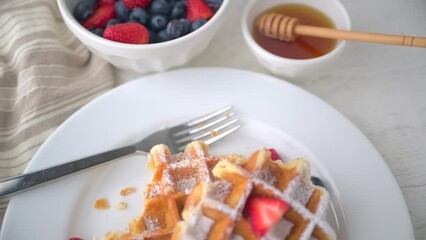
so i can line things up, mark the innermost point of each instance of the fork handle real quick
(23, 182)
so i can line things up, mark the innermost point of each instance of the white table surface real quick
(380, 88)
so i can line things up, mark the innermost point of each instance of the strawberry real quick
(100, 17)
(264, 213)
(133, 33)
(102, 2)
(274, 154)
(197, 9)
(130, 4)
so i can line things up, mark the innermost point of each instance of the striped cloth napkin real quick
(46, 74)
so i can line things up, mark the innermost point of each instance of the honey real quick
(127, 191)
(101, 204)
(303, 47)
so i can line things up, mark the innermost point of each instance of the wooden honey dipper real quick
(285, 28)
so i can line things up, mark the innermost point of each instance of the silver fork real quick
(210, 128)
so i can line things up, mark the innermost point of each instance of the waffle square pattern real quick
(193, 195)
(215, 210)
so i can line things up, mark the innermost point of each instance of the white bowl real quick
(286, 67)
(145, 58)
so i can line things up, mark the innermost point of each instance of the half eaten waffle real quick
(215, 210)
(174, 177)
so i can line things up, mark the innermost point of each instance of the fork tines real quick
(209, 128)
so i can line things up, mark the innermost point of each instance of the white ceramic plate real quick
(366, 200)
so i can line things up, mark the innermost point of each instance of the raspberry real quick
(274, 154)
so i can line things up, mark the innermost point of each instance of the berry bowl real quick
(291, 68)
(155, 56)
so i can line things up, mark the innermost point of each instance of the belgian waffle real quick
(215, 210)
(174, 177)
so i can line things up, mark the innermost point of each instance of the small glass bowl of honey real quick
(305, 55)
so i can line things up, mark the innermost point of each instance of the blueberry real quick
(140, 15)
(197, 24)
(112, 22)
(161, 7)
(316, 181)
(215, 4)
(97, 31)
(172, 2)
(178, 10)
(92, 3)
(152, 36)
(84, 9)
(162, 36)
(174, 29)
(121, 11)
(186, 25)
(158, 22)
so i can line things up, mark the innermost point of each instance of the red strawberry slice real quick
(100, 17)
(274, 154)
(264, 213)
(137, 3)
(198, 9)
(133, 33)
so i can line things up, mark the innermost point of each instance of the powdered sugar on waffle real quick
(300, 190)
(236, 237)
(314, 218)
(183, 170)
(185, 174)
(154, 191)
(197, 225)
(201, 228)
(186, 184)
(151, 223)
(268, 177)
(297, 194)
(281, 228)
(221, 190)
(204, 225)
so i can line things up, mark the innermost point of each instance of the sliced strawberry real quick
(100, 17)
(274, 154)
(197, 9)
(130, 4)
(264, 213)
(133, 33)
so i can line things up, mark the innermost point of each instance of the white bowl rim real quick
(249, 38)
(66, 15)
